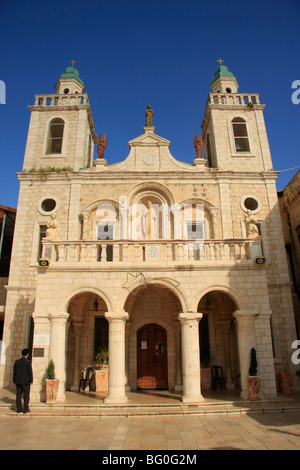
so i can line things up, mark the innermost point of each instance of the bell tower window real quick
(55, 136)
(240, 133)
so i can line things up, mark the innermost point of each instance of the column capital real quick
(111, 316)
(265, 313)
(189, 316)
(247, 314)
(59, 317)
(77, 324)
(40, 318)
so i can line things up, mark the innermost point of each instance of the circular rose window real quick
(48, 205)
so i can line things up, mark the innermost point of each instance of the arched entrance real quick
(153, 338)
(87, 333)
(152, 359)
(218, 335)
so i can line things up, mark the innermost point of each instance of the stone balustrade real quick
(234, 99)
(166, 251)
(61, 100)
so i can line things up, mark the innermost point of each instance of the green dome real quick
(221, 71)
(71, 72)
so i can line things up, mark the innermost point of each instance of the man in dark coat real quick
(22, 377)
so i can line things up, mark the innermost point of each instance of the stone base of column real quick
(194, 400)
(61, 396)
(244, 395)
(117, 400)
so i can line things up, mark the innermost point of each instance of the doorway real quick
(152, 362)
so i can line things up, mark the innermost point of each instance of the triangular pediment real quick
(149, 138)
(150, 153)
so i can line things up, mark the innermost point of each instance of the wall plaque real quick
(153, 252)
(41, 340)
(38, 352)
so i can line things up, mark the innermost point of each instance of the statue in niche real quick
(198, 144)
(149, 116)
(101, 145)
(251, 223)
(52, 228)
(149, 223)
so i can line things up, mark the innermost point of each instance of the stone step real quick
(83, 410)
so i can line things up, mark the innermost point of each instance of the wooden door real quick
(152, 370)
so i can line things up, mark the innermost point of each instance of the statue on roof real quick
(149, 116)
(198, 144)
(101, 145)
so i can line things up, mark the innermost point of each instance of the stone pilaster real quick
(246, 341)
(77, 330)
(57, 350)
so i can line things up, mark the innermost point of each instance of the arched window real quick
(240, 134)
(55, 136)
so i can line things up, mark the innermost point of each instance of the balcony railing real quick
(148, 251)
(234, 99)
(61, 100)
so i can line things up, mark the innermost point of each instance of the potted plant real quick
(253, 380)
(101, 373)
(285, 380)
(102, 358)
(51, 384)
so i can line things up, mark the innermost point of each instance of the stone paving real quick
(241, 430)
(268, 431)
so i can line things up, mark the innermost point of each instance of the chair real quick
(217, 377)
(86, 377)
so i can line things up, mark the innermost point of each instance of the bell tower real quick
(61, 130)
(70, 82)
(223, 81)
(233, 127)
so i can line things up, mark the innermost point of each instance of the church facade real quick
(172, 267)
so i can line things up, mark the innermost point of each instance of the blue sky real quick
(160, 52)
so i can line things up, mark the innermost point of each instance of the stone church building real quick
(174, 267)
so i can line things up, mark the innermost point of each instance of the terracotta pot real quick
(285, 380)
(101, 377)
(51, 391)
(253, 387)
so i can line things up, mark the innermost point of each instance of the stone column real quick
(127, 331)
(213, 213)
(57, 350)
(178, 383)
(116, 357)
(225, 324)
(246, 341)
(85, 215)
(77, 331)
(190, 357)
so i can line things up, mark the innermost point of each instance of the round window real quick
(251, 204)
(48, 205)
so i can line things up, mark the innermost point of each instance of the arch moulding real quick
(141, 280)
(233, 293)
(65, 301)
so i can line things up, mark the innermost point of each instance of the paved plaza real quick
(268, 431)
(220, 425)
